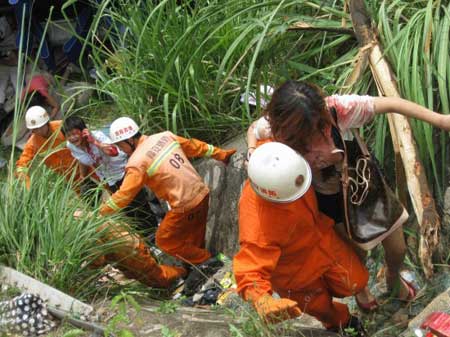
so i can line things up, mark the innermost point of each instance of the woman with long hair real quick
(302, 117)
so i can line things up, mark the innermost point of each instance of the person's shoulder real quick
(70, 146)
(55, 124)
(101, 136)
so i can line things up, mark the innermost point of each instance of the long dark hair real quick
(296, 112)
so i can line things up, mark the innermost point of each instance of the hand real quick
(446, 122)
(78, 213)
(110, 150)
(86, 134)
(226, 155)
(276, 310)
(250, 150)
(25, 178)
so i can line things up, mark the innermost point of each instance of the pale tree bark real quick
(414, 177)
(301, 25)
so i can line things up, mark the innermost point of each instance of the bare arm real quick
(411, 109)
(108, 149)
(54, 104)
(251, 140)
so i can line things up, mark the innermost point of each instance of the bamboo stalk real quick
(403, 140)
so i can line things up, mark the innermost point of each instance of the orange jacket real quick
(161, 162)
(282, 245)
(52, 150)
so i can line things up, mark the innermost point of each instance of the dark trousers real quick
(331, 205)
(143, 210)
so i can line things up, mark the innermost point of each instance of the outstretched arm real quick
(411, 109)
(108, 149)
(131, 185)
(54, 105)
(251, 139)
(253, 266)
(194, 148)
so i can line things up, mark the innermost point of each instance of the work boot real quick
(199, 274)
(354, 328)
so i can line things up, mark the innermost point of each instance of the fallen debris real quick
(26, 315)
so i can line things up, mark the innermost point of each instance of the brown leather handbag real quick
(372, 211)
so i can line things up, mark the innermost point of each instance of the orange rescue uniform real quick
(134, 259)
(292, 248)
(160, 161)
(52, 150)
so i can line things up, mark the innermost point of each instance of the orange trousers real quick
(183, 234)
(133, 258)
(346, 277)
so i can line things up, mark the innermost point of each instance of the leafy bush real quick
(40, 237)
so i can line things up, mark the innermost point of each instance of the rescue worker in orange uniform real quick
(287, 246)
(133, 258)
(48, 142)
(161, 162)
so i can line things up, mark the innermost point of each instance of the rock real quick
(440, 303)
(225, 183)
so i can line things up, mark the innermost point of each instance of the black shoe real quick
(354, 328)
(199, 274)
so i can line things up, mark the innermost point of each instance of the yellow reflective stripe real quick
(161, 157)
(22, 169)
(210, 151)
(112, 204)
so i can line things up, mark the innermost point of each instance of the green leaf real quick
(125, 333)
(74, 333)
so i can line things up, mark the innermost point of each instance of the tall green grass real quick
(416, 39)
(184, 69)
(38, 233)
(40, 237)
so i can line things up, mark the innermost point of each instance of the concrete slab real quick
(54, 297)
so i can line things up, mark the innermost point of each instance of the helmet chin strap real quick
(133, 146)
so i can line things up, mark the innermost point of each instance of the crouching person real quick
(287, 246)
(160, 162)
(47, 141)
(133, 258)
(95, 153)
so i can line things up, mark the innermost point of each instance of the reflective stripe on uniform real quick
(22, 169)
(161, 157)
(111, 204)
(210, 150)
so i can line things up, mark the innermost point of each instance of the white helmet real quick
(278, 173)
(35, 117)
(122, 128)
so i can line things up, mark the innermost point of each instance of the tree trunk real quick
(403, 140)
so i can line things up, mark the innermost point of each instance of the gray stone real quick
(439, 303)
(225, 183)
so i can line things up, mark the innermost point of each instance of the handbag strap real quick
(362, 145)
(344, 173)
